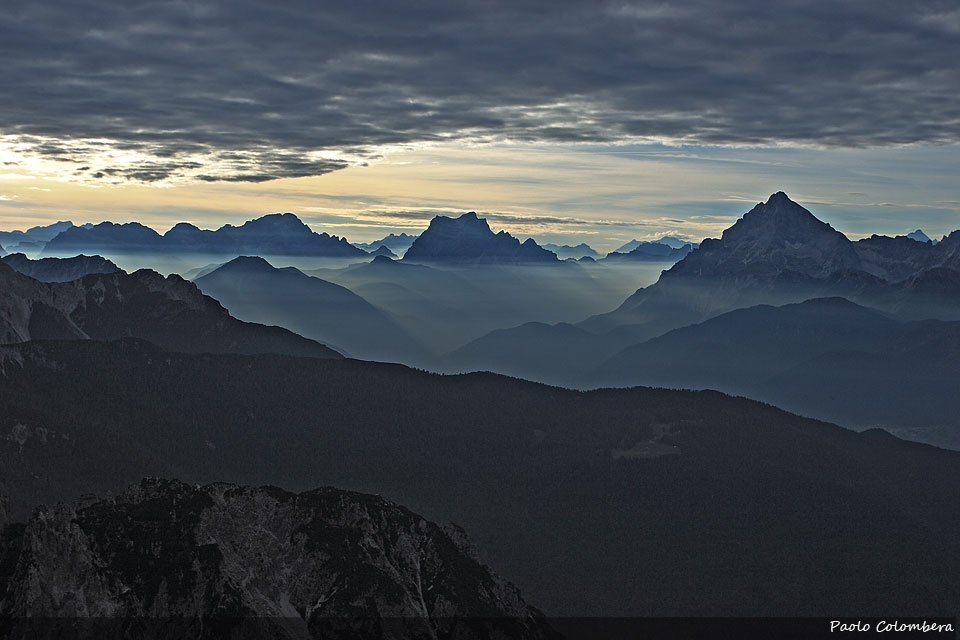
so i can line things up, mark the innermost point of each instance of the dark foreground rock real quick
(170, 560)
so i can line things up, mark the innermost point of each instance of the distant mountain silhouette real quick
(131, 237)
(565, 251)
(398, 244)
(34, 238)
(254, 290)
(170, 312)
(610, 502)
(254, 563)
(826, 358)
(274, 234)
(919, 236)
(651, 252)
(468, 239)
(60, 269)
(382, 250)
(671, 241)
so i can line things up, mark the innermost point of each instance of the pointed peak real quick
(779, 197)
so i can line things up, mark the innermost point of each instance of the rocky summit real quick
(774, 237)
(468, 239)
(167, 559)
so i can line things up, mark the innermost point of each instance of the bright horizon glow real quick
(603, 195)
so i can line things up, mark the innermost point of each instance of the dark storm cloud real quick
(251, 89)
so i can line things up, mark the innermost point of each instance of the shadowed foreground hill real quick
(171, 560)
(608, 502)
(170, 312)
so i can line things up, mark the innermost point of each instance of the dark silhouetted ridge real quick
(468, 239)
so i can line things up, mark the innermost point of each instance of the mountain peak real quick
(468, 238)
(248, 264)
(776, 237)
(779, 219)
(919, 236)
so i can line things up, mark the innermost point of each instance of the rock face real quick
(60, 269)
(772, 238)
(169, 312)
(468, 239)
(274, 234)
(780, 253)
(213, 557)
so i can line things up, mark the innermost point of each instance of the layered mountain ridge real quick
(169, 311)
(256, 291)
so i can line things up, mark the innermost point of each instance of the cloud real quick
(249, 91)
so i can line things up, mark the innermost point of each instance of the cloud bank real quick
(251, 91)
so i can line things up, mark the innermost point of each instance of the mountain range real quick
(397, 244)
(167, 559)
(777, 253)
(468, 239)
(170, 312)
(671, 241)
(610, 502)
(565, 251)
(254, 290)
(34, 238)
(274, 234)
(652, 252)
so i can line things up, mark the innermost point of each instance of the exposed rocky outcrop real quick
(181, 560)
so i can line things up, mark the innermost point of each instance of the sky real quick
(565, 121)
